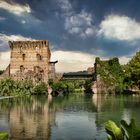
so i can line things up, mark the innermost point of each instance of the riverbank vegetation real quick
(65, 87)
(113, 77)
(10, 87)
(3, 136)
(109, 75)
(132, 74)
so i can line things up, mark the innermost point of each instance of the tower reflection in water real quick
(29, 118)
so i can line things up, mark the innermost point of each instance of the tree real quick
(133, 70)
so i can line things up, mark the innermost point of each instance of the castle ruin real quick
(30, 60)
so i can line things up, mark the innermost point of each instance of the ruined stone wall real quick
(52, 73)
(108, 74)
(30, 60)
(6, 73)
(90, 70)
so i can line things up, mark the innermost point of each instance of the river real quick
(75, 117)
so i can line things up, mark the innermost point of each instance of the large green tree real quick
(133, 70)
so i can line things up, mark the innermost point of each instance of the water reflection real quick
(29, 119)
(71, 118)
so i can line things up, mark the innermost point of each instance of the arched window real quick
(39, 57)
(22, 68)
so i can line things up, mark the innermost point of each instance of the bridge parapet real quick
(77, 76)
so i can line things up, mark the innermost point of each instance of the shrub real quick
(3, 136)
(10, 87)
(40, 89)
(7, 86)
(64, 86)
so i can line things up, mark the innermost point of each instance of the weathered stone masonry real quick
(30, 60)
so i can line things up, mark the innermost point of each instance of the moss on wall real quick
(110, 73)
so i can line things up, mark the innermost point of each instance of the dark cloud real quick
(47, 21)
(110, 48)
(102, 8)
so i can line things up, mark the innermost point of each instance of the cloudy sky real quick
(77, 30)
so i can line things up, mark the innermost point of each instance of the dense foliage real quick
(9, 87)
(123, 78)
(132, 73)
(40, 89)
(110, 72)
(3, 136)
(66, 86)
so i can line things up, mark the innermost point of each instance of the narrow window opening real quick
(39, 57)
(23, 57)
(22, 68)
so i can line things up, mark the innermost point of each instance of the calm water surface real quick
(65, 118)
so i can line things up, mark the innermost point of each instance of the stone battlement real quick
(36, 44)
(33, 42)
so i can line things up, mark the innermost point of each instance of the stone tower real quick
(29, 60)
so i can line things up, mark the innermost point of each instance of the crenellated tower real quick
(30, 60)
